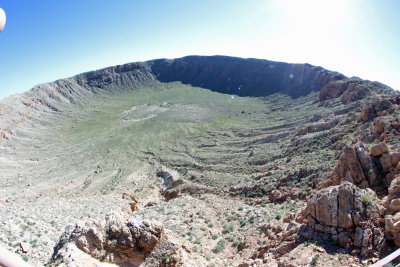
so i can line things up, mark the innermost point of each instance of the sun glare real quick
(306, 31)
(313, 14)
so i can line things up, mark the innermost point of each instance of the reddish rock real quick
(349, 90)
(380, 125)
(395, 157)
(386, 162)
(379, 149)
(278, 196)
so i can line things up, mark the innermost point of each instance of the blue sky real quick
(47, 40)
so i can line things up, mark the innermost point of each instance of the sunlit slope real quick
(115, 141)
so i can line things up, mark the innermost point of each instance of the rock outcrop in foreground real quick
(128, 243)
(347, 215)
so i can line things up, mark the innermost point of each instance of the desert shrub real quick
(228, 228)
(252, 219)
(220, 246)
(366, 199)
(230, 238)
(314, 260)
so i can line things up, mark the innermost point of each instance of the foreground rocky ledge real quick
(131, 242)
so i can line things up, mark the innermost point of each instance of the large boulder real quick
(380, 125)
(378, 149)
(334, 206)
(347, 214)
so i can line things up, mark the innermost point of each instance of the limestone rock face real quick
(345, 205)
(335, 206)
(346, 214)
(133, 242)
(326, 207)
(366, 162)
(349, 167)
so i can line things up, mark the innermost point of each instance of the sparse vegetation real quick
(220, 246)
(228, 228)
(366, 199)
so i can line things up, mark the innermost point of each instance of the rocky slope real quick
(295, 158)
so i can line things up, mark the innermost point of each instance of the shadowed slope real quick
(254, 77)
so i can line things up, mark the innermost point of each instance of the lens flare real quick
(2, 19)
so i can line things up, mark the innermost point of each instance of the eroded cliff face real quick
(244, 77)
